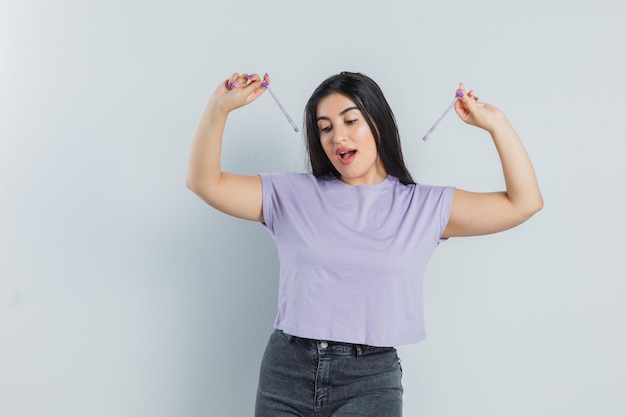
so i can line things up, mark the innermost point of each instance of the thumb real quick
(467, 104)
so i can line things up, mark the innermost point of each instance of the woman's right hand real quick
(237, 91)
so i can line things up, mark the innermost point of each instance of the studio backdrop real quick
(123, 294)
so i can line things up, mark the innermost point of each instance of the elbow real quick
(193, 185)
(525, 209)
(190, 184)
(202, 188)
(533, 207)
(538, 203)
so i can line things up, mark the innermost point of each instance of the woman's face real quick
(348, 141)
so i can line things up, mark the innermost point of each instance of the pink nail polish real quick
(249, 76)
(459, 94)
(264, 84)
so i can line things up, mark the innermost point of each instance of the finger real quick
(241, 80)
(248, 79)
(253, 81)
(466, 99)
(471, 94)
(253, 77)
(238, 80)
(462, 107)
(255, 88)
(232, 81)
(461, 93)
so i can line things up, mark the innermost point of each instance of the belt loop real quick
(359, 350)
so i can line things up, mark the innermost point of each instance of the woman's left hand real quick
(477, 113)
(473, 213)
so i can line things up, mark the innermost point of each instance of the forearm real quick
(522, 189)
(204, 162)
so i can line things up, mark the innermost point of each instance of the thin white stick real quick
(265, 84)
(432, 129)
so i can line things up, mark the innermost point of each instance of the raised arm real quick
(483, 213)
(237, 195)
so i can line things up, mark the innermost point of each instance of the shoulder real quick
(286, 175)
(394, 184)
(297, 178)
(292, 182)
(432, 189)
(441, 194)
(279, 179)
(425, 193)
(289, 195)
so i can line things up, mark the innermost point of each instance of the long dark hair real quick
(369, 99)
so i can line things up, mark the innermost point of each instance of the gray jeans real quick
(304, 377)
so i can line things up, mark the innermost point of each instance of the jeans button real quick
(323, 345)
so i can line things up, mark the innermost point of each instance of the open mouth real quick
(345, 155)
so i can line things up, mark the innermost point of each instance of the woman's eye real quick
(325, 129)
(351, 121)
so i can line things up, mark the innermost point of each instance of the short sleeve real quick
(445, 206)
(269, 200)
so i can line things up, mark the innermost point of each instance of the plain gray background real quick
(122, 294)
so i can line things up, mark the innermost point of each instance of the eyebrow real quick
(344, 111)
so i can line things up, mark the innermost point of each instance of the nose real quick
(339, 134)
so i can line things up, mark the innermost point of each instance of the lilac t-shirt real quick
(352, 258)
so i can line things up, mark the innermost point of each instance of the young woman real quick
(354, 238)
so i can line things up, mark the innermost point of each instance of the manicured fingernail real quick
(475, 98)
(250, 76)
(230, 85)
(264, 84)
(459, 93)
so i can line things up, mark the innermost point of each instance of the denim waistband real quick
(338, 348)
